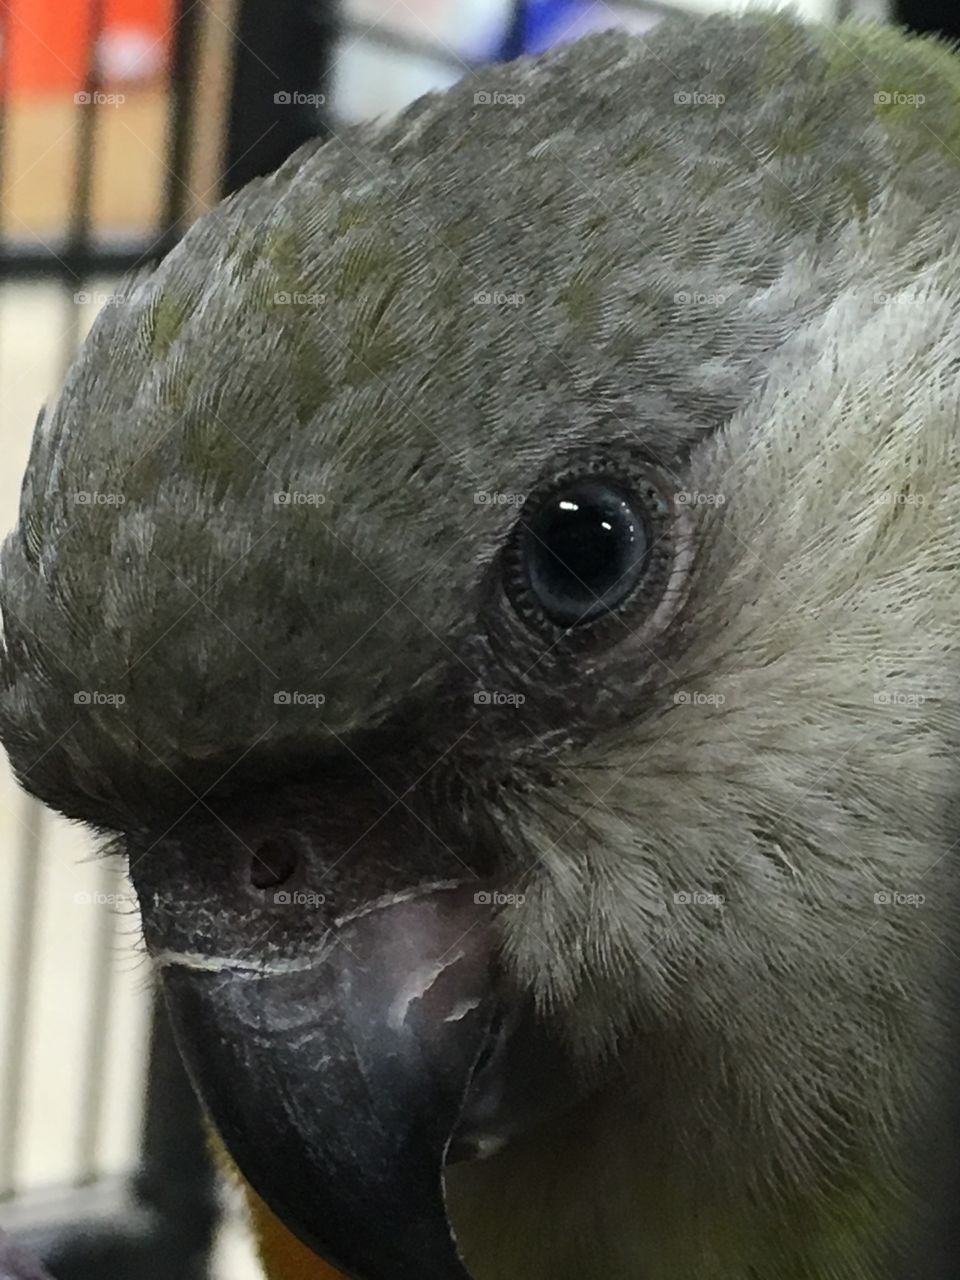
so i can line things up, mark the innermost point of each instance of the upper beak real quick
(337, 1083)
(348, 1048)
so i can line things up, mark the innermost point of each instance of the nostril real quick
(272, 862)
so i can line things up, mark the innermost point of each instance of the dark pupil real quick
(584, 550)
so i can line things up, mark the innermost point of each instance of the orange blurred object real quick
(46, 47)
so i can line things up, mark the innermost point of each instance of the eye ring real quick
(591, 545)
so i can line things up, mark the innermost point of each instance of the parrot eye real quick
(583, 551)
(582, 548)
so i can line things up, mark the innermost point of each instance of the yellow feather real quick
(283, 1256)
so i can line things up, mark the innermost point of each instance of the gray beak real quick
(349, 1033)
(337, 1086)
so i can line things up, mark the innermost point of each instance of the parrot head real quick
(492, 583)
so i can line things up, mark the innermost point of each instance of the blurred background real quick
(120, 122)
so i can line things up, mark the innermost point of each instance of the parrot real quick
(492, 583)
